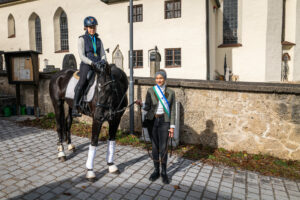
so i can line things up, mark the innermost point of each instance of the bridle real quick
(112, 111)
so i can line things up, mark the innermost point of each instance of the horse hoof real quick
(71, 147)
(113, 169)
(62, 159)
(90, 176)
(92, 180)
(116, 172)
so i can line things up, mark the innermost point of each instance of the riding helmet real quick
(90, 21)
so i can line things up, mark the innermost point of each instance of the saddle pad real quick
(71, 87)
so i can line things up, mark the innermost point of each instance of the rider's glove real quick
(93, 65)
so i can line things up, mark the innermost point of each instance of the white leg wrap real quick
(111, 148)
(61, 154)
(91, 156)
(71, 147)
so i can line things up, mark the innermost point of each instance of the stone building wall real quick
(252, 117)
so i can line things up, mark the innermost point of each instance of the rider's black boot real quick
(164, 175)
(155, 175)
(76, 100)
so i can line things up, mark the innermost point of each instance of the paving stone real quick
(35, 173)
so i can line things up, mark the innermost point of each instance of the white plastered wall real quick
(274, 47)
(187, 32)
(296, 57)
(247, 61)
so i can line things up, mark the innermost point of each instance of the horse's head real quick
(105, 83)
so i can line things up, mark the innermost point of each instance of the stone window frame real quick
(11, 26)
(173, 12)
(173, 60)
(137, 17)
(35, 33)
(61, 40)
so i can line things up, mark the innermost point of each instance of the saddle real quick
(87, 92)
(89, 83)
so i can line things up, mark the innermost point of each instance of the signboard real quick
(22, 67)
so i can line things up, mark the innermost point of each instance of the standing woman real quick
(91, 53)
(160, 104)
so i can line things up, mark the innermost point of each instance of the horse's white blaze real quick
(111, 148)
(112, 168)
(90, 174)
(91, 156)
(61, 154)
(71, 147)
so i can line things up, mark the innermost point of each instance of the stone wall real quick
(252, 117)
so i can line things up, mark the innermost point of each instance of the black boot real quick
(155, 175)
(164, 175)
(76, 100)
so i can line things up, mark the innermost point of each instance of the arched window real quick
(38, 34)
(35, 32)
(230, 22)
(61, 35)
(64, 41)
(11, 26)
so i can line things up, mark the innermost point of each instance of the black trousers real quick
(84, 69)
(159, 133)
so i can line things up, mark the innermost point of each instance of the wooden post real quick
(18, 99)
(36, 101)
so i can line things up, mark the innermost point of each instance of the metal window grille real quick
(64, 38)
(173, 9)
(137, 13)
(230, 21)
(173, 57)
(38, 34)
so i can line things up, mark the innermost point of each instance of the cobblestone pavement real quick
(29, 169)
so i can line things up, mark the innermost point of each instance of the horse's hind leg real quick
(111, 145)
(69, 121)
(60, 122)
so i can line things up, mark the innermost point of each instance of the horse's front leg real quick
(111, 146)
(96, 127)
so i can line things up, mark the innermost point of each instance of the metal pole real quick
(131, 84)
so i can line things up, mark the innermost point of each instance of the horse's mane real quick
(120, 76)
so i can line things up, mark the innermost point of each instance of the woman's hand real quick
(171, 132)
(139, 102)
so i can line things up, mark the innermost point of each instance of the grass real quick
(264, 164)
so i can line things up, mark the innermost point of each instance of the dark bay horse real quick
(108, 104)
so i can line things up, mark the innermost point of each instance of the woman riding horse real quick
(92, 54)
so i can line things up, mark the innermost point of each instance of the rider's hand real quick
(93, 65)
(171, 132)
(102, 62)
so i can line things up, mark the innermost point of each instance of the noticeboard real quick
(22, 67)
